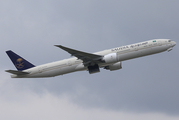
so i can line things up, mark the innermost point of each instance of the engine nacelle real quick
(110, 58)
(115, 66)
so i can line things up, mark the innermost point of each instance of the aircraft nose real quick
(174, 43)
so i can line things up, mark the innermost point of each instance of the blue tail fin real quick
(19, 62)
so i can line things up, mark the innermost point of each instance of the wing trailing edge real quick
(87, 58)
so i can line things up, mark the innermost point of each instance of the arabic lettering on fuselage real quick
(129, 46)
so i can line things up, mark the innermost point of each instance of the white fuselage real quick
(123, 53)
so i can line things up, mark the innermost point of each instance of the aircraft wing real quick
(86, 57)
(17, 72)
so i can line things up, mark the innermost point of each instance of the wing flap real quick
(17, 72)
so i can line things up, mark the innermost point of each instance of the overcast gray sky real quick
(145, 88)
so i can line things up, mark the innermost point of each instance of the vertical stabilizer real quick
(19, 62)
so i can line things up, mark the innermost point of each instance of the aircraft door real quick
(41, 69)
(136, 48)
(69, 63)
(159, 43)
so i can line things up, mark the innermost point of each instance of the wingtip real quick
(60, 46)
(57, 45)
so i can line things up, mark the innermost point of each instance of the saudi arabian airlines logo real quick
(154, 41)
(19, 63)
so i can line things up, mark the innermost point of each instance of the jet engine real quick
(110, 58)
(115, 66)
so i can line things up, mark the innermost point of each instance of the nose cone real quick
(174, 43)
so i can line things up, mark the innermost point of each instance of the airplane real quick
(110, 59)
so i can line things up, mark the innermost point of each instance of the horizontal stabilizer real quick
(17, 72)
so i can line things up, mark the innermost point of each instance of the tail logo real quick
(19, 63)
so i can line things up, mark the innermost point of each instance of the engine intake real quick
(110, 58)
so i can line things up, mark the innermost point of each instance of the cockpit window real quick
(169, 40)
